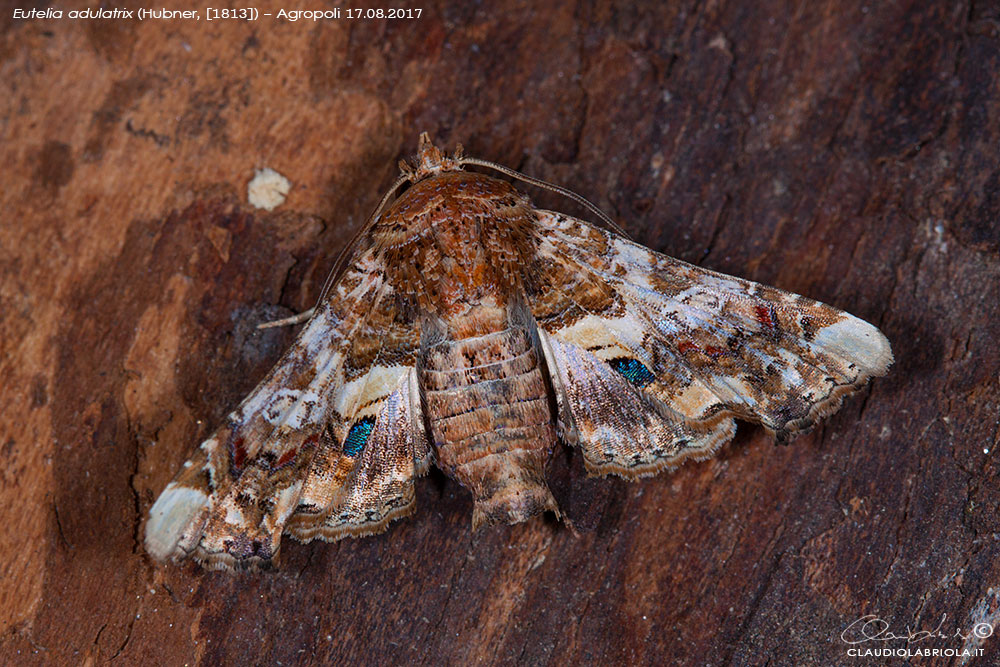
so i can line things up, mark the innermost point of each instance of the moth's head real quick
(430, 160)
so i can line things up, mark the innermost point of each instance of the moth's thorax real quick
(455, 238)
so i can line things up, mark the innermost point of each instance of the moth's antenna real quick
(547, 186)
(349, 248)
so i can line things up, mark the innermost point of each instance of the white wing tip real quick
(170, 517)
(858, 341)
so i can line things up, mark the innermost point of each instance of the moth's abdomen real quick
(488, 407)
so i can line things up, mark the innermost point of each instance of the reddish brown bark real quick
(845, 151)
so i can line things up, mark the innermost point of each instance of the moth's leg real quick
(288, 321)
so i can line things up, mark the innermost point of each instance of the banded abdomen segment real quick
(489, 414)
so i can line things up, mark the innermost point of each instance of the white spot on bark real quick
(267, 189)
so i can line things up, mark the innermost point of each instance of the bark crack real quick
(59, 526)
(752, 609)
(128, 638)
(451, 591)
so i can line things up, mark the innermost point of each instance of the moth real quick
(468, 329)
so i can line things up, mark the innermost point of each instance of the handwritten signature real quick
(871, 628)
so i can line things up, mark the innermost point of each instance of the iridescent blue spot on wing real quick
(633, 370)
(358, 436)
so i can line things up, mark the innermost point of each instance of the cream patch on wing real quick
(290, 408)
(285, 503)
(632, 253)
(607, 338)
(234, 515)
(358, 396)
(694, 400)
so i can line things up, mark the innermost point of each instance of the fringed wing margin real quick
(375, 443)
(652, 358)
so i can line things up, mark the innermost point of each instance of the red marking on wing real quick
(714, 352)
(686, 346)
(238, 452)
(764, 316)
(287, 458)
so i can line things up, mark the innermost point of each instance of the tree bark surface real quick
(844, 150)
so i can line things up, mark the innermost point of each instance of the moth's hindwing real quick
(360, 482)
